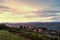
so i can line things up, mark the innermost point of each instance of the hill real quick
(50, 25)
(5, 35)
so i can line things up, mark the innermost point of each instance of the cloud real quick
(1, 6)
(46, 13)
(4, 8)
(3, 1)
(29, 10)
(43, 13)
(56, 19)
(9, 9)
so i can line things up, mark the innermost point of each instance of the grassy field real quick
(5, 35)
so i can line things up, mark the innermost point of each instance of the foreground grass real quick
(5, 35)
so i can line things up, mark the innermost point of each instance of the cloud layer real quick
(30, 10)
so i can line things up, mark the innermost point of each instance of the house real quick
(34, 30)
(39, 30)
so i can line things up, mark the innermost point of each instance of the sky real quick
(29, 11)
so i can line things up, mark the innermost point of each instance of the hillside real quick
(5, 35)
(26, 33)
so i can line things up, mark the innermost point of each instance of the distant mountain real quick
(50, 25)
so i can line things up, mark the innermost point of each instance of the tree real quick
(2, 26)
(21, 26)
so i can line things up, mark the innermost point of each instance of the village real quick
(45, 31)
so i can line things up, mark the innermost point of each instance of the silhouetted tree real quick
(21, 26)
(2, 26)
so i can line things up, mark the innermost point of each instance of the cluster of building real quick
(42, 30)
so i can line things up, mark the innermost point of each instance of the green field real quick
(5, 35)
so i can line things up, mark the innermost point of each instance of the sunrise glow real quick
(29, 11)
